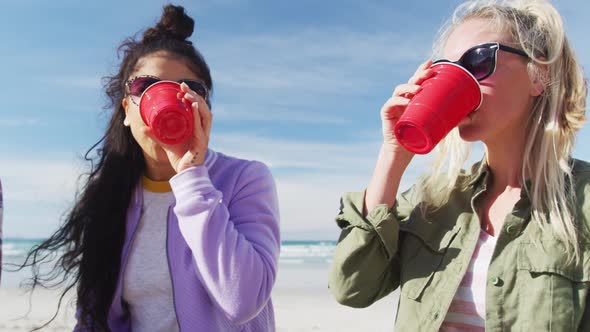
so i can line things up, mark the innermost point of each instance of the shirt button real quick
(496, 281)
(511, 229)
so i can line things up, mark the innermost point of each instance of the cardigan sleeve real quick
(235, 248)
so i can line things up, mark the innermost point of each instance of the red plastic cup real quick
(438, 107)
(170, 118)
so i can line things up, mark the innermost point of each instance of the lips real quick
(467, 118)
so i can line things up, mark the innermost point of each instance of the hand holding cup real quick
(192, 150)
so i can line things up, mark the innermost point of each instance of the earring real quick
(126, 122)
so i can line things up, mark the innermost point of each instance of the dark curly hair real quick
(88, 244)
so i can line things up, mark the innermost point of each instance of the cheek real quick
(505, 95)
(150, 147)
(494, 97)
(136, 125)
(134, 117)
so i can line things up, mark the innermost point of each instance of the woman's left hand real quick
(192, 152)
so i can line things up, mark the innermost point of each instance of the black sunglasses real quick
(137, 85)
(480, 60)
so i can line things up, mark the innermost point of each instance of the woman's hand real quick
(192, 152)
(393, 108)
(393, 157)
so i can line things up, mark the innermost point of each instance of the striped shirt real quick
(468, 308)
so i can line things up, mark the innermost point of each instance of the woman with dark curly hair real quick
(167, 237)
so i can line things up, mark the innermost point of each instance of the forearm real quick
(386, 178)
(365, 267)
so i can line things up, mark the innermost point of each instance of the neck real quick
(157, 170)
(505, 158)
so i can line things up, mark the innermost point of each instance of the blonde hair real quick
(557, 114)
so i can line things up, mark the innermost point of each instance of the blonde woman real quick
(502, 245)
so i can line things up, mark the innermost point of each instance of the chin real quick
(469, 133)
(154, 154)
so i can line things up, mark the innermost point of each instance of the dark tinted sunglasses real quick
(480, 60)
(137, 85)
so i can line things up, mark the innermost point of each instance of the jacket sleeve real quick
(366, 265)
(585, 320)
(80, 326)
(583, 212)
(235, 248)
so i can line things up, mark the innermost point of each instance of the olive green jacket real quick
(531, 286)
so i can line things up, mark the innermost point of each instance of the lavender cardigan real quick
(222, 247)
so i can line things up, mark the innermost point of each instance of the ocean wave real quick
(307, 250)
(292, 252)
(11, 250)
(291, 261)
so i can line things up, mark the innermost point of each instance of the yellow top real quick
(155, 186)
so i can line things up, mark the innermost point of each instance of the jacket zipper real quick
(170, 270)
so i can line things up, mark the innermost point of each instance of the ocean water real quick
(15, 250)
(317, 253)
(297, 259)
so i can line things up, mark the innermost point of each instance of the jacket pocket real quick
(552, 289)
(424, 248)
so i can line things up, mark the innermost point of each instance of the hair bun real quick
(174, 24)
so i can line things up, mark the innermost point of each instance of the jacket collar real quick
(210, 158)
(137, 198)
(479, 171)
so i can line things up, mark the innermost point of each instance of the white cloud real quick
(36, 193)
(309, 200)
(39, 180)
(310, 176)
(309, 203)
(311, 60)
(72, 81)
(19, 121)
(266, 113)
(284, 153)
(336, 45)
(314, 75)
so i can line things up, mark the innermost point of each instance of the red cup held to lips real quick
(170, 118)
(444, 99)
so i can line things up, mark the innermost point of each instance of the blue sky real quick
(297, 84)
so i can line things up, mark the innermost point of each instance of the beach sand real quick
(301, 300)
(14, 305)
(300, 311)
(295, 311)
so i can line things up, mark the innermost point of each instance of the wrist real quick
(183, 166)
(396, 155)
(191, 159)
